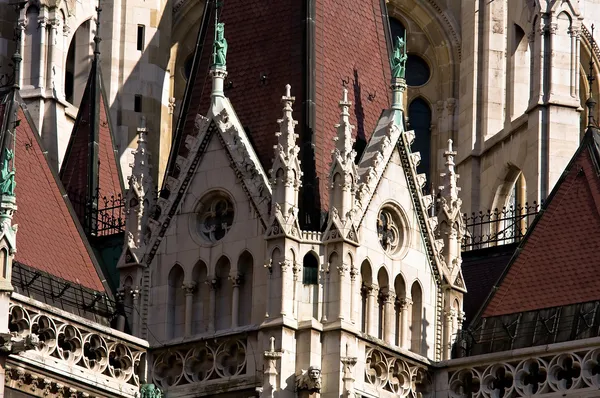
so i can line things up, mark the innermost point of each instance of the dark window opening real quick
(137, 104)
(141, 32)
(419, 118)
(187, 66)
(310, 270)
(417, 70)
(70, 73)
(397, 29)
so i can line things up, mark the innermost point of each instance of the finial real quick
(272, 339)
(590, 103)
(449, 155)
(97, 38)
(288, 91)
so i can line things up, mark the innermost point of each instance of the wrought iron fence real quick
(498, 226)
(100, 215)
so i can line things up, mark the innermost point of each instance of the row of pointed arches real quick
(201, 302)
(392, 311)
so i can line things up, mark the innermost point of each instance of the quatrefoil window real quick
(390, 230)
(215, 216)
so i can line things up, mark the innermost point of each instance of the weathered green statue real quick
(220, 46)
(150, 391)
(399, 59)
(7, 176)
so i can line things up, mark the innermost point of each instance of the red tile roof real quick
(48, 238)
(349, 45)
(557, 263)
(74, 170)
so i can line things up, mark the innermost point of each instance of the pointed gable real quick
(48, 238)
(75, 168)
(557, 263)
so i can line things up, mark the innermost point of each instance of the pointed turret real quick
(286, 172)
(92, 144)
(343, 170)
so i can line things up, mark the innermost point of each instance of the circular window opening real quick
(417, 71)
(215, 216)
(389, 230)
(187, 66)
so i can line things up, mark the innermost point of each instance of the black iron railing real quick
(498, 226)
(100, 215)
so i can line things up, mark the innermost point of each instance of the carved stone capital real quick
(212, 282)
(236, 279)
(189, 287)
(353, 273)
(404, 303)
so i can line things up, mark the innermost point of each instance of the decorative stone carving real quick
(309, 380)
(193, 364)
(215, 217)
(395, 375)
(150, 391)
(389, 230)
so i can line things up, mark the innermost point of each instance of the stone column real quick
(212, 285)
(269, 268)
(296, 270)
(65, 46)
(326, 288)
(236, 280)
(54, 23)
(342, 269)
(373, 292)
(189, 288)
(21, 27)
(449, 315)
(42, 22)
(135, 296)
(405, 307)
(388, 330)
(354, 294)
(285, 267)
(575, 34)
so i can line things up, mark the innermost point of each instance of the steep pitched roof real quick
(557, 263)
(48, 238)
(75, 168)
(344, 41)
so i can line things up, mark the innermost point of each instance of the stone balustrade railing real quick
(101, 361)
(311, 236)
(562, 369)
(214, 359)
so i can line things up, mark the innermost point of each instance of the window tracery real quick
(389, 230)
(215, 217)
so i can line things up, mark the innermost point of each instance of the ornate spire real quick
(286, 173)
(286, 136)
(97, 38)
(591, 102)
(450, 189)
(140, 198)
(343, 141)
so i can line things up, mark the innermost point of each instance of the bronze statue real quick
(399, 59)
(7, 176)
(220, 46)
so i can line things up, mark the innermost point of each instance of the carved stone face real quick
(314, 373)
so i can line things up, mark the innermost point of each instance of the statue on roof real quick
(220, 46)
(7, 175)
(399, 59)
(150, 391)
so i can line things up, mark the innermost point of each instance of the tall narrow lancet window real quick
(417, 324)
(310, 270)
(519, 72)
(77, 66)
(419, 118)
(224, 294)
(243, 279)
(175, 303)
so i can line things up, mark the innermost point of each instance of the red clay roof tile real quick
(47, 238)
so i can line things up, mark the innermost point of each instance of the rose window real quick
(389, 230)
(215, 217)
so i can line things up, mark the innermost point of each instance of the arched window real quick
(310, 270)
(397, 29)
(417, 324)
(520, 73)
(175, 303)
(77, 66)
(224, 294)
(383, 281)
(245, 278)
(366, 282)
(200, 303)
(419, 118)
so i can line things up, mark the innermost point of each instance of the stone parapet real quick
(75, 357)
